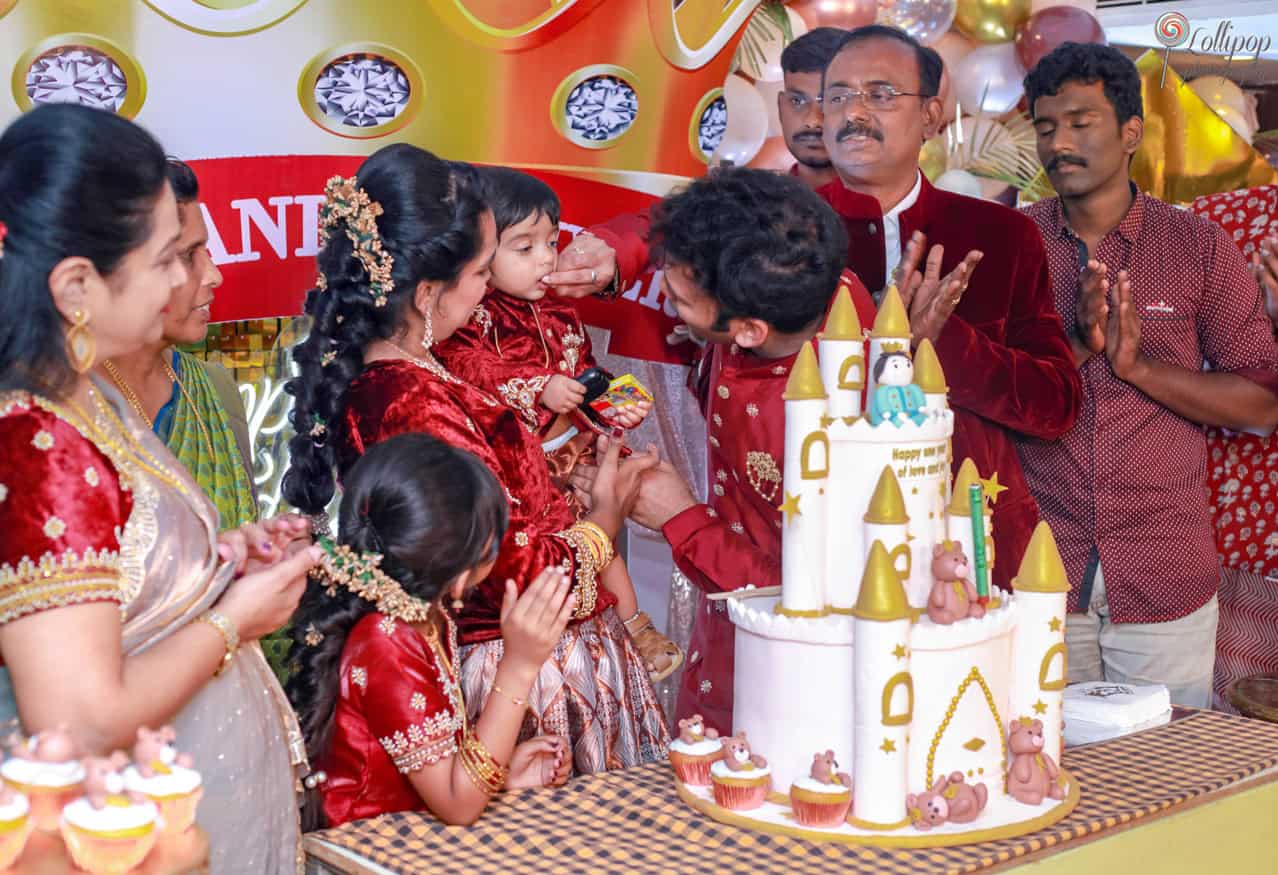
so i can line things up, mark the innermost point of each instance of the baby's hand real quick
(562, 394)
(629, 416)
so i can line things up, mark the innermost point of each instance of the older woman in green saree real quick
(191, 405)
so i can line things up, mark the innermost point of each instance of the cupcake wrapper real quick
(832, 813)
(47, 803)
(742, 798)
(14, 841)
(178, 812)
(106, 856)
(694, 770)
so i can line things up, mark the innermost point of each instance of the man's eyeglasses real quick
(799, 102)
(874, 97)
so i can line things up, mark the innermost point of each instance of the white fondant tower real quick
(1038, 642)
(959, 513)
(890, 333)
(807, 465)
(887, 522)
(842, 350)
(884, 702)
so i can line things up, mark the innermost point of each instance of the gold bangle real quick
(488, 775)
(519, 703)
(594, 551)
(231, 638)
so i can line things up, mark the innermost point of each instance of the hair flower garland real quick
(346, 204)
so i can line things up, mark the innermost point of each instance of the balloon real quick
(1242, 126)
(798, 27)
(933, 159)
(925, 20)
(959, 182)
(770, 48)
(988, 72)
(773, 156)
(949, 98)
(991, 21)
(769, 91)
(1217, 92)
(1085, 5)
(1055, 25)
(747, 126)
(836, 13)
(952, 47)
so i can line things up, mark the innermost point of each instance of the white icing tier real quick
(1118, 705)
(178, 782)
(812, 785)
(793, 694)
(40, 774)
(110, 818)
(721, 770)
(14, 809)
(697, 749)
(927, 635)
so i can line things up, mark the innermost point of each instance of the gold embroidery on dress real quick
(763, 474)
(521, 396)
(572, 350)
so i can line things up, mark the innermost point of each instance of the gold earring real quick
(81, 346)
(458, 604)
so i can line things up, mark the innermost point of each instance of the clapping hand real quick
(1122, 335)
(930, 298)
(1264, 264)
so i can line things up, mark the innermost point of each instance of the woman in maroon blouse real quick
(405, 254)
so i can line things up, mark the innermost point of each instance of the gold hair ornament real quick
(347, 204)
(361, 574)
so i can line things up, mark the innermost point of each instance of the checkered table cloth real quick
(632, 821)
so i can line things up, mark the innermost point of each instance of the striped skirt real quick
(593, 690)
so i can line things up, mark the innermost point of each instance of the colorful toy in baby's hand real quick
(953, 597)
(949, 801)
(896, 397)
(624, 391)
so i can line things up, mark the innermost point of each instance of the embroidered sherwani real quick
(735, 538)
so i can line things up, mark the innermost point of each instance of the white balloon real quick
(798, 27)
(989, 79)
(769, 91)
(1217, 92)
(960, 182)
(1236, 120)
(747, 125)
(925, 20)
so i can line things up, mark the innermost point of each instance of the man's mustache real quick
(1065, 159)
(808, 137)
(852, 129)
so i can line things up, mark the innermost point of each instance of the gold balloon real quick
(933, 160)
(1188, 150)
(991, 21)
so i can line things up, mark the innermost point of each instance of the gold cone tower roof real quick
(882, 597)
(960, 501)
(891, 320)
(842, 323)
(927, 369)
(887, 504)
(805, 377)
(1041, 569)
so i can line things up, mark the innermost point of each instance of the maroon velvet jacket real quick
(512, 347)
(1004, 351)
(395, 397)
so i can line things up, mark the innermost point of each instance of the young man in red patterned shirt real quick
(1151, 294)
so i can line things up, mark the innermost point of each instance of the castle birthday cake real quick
(886, 652)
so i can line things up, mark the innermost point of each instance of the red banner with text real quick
(263, 220)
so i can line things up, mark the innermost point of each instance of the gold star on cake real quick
(826, 421)
(992, 487)
(888, 746)
(899, 651)
(790, 507)
(850, 420)
(914, 491)
(1040, 707)
(1054, 624)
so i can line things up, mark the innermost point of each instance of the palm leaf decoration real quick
(767, 21)
(1004, 152)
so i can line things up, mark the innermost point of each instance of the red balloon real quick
(1048, 28)
(836, 13)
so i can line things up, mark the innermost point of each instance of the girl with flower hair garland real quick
(406, 255)
(376, 688)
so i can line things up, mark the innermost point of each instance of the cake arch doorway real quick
(982, 755)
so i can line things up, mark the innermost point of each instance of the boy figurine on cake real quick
(742, 779)
(896, 397)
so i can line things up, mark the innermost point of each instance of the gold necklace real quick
(127, 391)
(199, 420)
(436, 367)
(131, 449)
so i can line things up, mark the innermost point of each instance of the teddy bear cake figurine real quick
(1033, 774)
(165, 777)
(695, 750)
(742, 779)
(44, 768)
(109, 830)
(949, 801)
(824, 798)
(953, 595)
